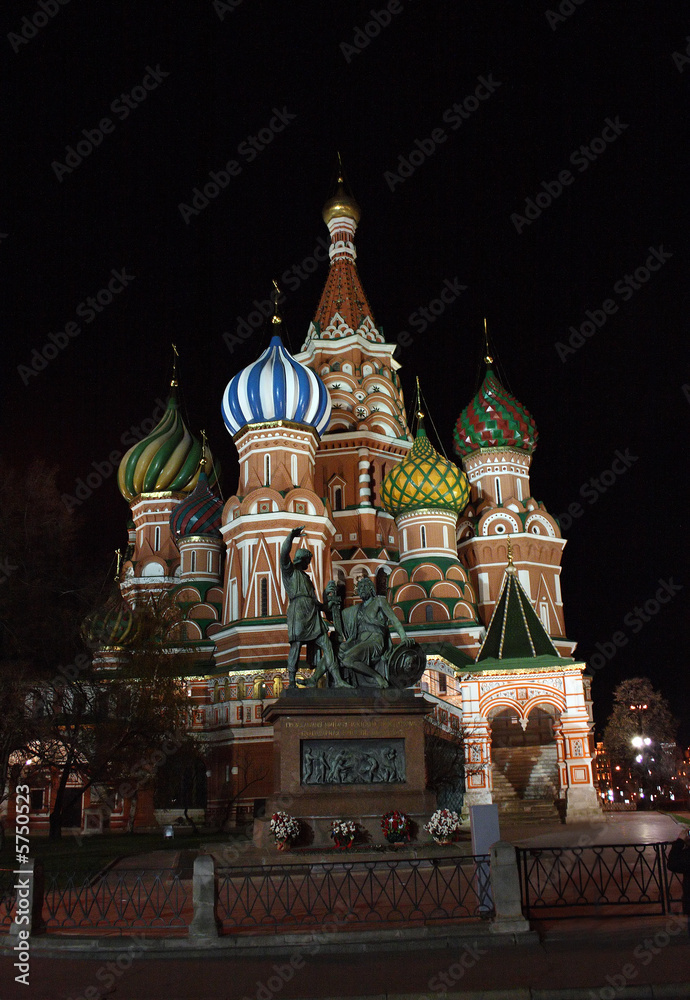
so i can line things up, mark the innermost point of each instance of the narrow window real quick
(429, 612)
(209, 562)
(338, 498)
(372, 482)
(497, 482)
(264, 597)
(544, 615)
(293, 466)
(442, 685)
(423, 536)
(519, 488)
(267, 470)
(192, 562)
(156, 539)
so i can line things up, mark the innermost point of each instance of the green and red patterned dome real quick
(494, 419)
(198, 514)
(424, 480)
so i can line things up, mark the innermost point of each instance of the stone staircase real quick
(525, 783)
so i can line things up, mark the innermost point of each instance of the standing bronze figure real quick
(304, 621)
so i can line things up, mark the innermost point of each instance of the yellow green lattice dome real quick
(425, 479)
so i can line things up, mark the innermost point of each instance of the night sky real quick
(548, 176)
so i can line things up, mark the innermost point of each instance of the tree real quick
(115, 731)
(641, 714)
(44, 593)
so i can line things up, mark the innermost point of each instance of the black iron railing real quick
(122, 900)
(584, 880)
(354, 894)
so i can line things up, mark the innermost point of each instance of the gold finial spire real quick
(118, 563)
(418, 400)
(173, 380)
(510, 568)
(341, 179)
(487, 357)
(202, 460)
(275, 295)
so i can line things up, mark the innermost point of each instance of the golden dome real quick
(341, 205)
(424, 480)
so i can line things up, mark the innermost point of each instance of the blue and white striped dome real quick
(276, 387)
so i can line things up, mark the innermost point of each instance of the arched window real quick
(264, 597)
(372, 481)
(209, 561)
(192, 562)
(156, 539)
(267, 470)
(442, 683)
(519, 488)
(497, 483)
(381, 582)
(429, 612)
(337, 498)
(422, 534)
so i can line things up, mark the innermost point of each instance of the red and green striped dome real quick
(199, 513)
(494, 419)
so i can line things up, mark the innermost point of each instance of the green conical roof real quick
(515, 630)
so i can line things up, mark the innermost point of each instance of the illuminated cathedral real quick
(468, 558)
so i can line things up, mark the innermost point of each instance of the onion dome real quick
(341, 206)
(166, 460)
(494, 419)
(112, 624)
(424, 480)
(199, 513)
(276, 387)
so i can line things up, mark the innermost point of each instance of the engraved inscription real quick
(352, 762)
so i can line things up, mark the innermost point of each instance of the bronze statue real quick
(304, 621)
(361, 653)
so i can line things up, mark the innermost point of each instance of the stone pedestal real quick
(344, 754)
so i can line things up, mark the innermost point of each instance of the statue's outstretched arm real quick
(285, 548)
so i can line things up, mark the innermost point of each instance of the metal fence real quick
(354, 894)
(583, 881)
(123, 900)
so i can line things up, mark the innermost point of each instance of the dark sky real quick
(549, 85)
